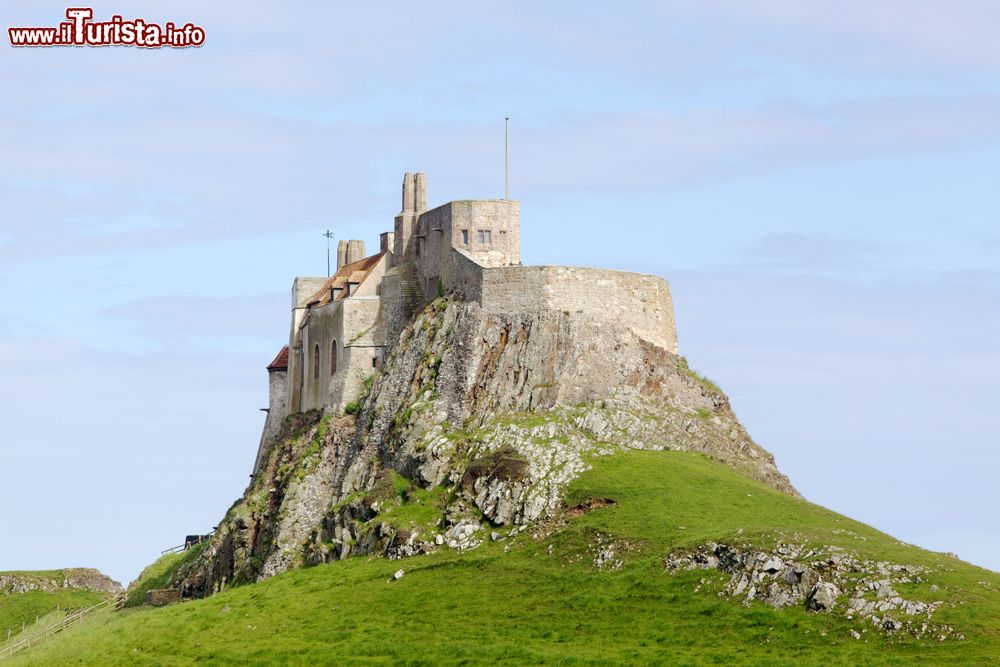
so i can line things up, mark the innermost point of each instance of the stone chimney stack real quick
(420, 188)
(355, 251)
(341, 254)
(386, 241)
(406, 221)
(409, 193)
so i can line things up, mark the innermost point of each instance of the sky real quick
(816, 180)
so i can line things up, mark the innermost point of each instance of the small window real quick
(484, 236)
(374, 362)
(333, 357)
(465, 236)
(316, 362)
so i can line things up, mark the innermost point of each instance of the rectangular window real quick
(484, 236)
(465, 236)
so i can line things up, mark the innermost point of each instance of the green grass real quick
(707, 384)
(543, 601)
(422, 509)
(154, 577)
(22, 608)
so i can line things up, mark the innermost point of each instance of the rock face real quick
(76, 578)
(822, 597)
(483, 417)
(821, 579)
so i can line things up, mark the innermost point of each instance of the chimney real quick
(355, 251)
(386, 241)
(341, 254)
(420, 189)
(408, 193)
(405, 223)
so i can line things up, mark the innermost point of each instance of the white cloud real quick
(918, 35)
(276, 172)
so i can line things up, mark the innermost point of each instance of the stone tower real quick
(414, 203)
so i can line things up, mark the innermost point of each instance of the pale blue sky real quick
(817, 181)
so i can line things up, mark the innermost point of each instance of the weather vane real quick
(329, 235)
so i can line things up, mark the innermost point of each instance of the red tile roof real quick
(280, 362)
(355, 273)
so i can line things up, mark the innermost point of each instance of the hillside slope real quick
(602, 581)
(25, 596)
(490, 416)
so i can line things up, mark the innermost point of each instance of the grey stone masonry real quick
(470, 249)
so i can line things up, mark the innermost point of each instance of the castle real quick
(469, 249)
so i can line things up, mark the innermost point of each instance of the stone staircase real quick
(409, 284)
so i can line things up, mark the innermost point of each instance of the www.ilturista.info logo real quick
(81, 30)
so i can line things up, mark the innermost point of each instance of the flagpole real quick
(506, 157)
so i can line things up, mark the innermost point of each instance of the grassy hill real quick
(556, 596)
(17, 609)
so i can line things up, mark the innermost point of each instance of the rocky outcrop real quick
(74, 578)
(477, 423)
(822, 580)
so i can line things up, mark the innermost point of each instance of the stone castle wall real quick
(458, 224)
(639, 301)
(352, 325)
(470, 248)
(302, 289)
(277, 410)
(464, 277)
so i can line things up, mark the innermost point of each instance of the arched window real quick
(333, 357)
(316, 362)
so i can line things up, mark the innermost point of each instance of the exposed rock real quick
(818, 579)
(822, 597)
(503, 411)
(609, 553)
(77, 578)
(463, 535)
(773, 565)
